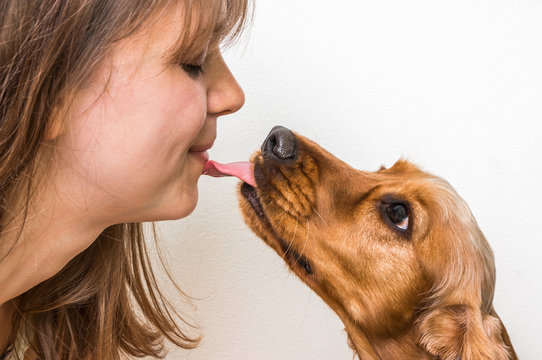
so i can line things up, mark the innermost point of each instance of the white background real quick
(454, 86)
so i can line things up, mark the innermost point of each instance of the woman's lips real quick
(203, 156)
(200, 151)
(201, 148)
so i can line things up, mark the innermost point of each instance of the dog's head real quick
(390, 251)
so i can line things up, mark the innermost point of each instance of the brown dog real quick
(395, 253)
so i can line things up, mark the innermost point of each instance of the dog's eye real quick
(398, 214)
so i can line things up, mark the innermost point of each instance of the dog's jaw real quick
(257, 220)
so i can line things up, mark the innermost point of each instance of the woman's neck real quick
(41, 251)
(41, 239)
(38, 253)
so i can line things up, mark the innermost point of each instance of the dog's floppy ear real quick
(457, 320)
(457, 331)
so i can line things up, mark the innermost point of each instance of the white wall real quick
(455, 86)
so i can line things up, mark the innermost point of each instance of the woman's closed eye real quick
(194, 71)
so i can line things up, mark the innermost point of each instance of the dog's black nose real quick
(280, 143)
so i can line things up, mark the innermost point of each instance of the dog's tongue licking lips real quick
(243, 170)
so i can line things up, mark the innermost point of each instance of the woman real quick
(107, 108)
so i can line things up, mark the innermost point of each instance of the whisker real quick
(289, 244)
(320, 216)
(295, 229)
(306, 240)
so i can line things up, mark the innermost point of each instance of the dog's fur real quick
(423, 293)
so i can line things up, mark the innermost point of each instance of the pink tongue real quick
(242, 169)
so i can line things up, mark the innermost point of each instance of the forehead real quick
(184, 30)
(406, 180)
(200, 26)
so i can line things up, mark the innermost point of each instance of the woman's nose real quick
(224, 94)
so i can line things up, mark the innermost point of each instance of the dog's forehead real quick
(408, 178)
(401, 166)
(408, 171)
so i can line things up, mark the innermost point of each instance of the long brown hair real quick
(106, 302)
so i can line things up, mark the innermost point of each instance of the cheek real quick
(135, 137)
(161, 115)
(375, 277)
(146, 116)
(390, 262)
(180, 112)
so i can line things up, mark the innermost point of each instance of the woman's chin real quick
(171, 201)
(179, 209)
(170, 207)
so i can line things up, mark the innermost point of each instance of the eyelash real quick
(194, 71)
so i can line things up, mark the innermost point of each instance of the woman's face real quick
(135, 151)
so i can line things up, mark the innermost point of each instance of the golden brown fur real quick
(424, 293)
